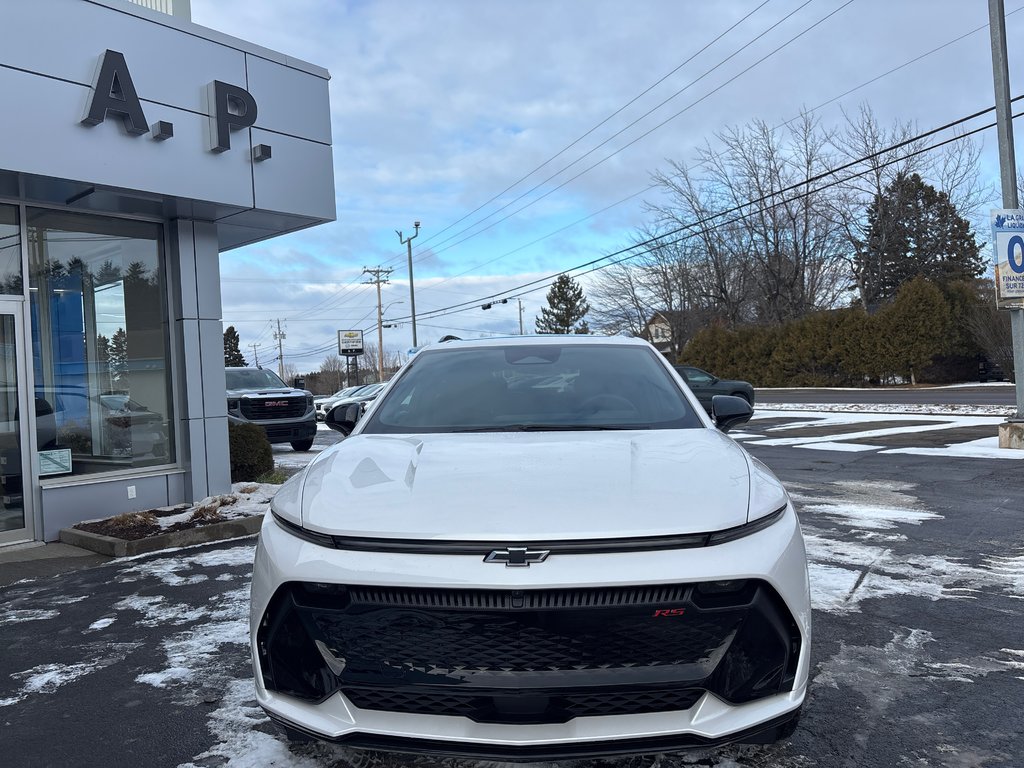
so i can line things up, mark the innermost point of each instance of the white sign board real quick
(350, 343)
(1008, 248)
(54, 462)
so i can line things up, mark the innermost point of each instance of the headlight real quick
(234, 404)
(323, 539)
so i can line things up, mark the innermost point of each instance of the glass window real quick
(10, 251)
(544, 387)
(100, 339)
(253, 378)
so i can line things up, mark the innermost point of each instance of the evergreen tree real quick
(117, 354)
(567, 306)
(913, 230)
(232, 354)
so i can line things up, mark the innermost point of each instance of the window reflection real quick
(10, 251)
(99, 339)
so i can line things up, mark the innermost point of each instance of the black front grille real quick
(524, 708)
(263, 408)
(532, 656)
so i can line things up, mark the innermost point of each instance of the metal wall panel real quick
(194, 457)
(207, 269)
(182, 269)
(211, 350)
(44, 137)
(289, 101)
(66, 505)
(65, 39)
(298, 178)
(218, 457)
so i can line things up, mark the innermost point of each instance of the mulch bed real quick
(139, 525)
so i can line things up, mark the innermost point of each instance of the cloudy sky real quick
(498, 126)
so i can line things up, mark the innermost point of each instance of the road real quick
(917, 573)
(1000, 394)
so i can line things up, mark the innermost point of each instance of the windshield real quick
(252, 378)
(545, 387)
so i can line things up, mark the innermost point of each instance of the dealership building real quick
(136, 147)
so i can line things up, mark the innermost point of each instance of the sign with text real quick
(350, 343)
(1008, 249)
(54, 462)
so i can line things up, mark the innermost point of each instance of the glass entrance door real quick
(15, 485)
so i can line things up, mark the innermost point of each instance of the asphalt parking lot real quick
(917, 570)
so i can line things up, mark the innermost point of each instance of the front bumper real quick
(499, 724)
(283, 430)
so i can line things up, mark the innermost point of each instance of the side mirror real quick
(343, 418)
(729, 411)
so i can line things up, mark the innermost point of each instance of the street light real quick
(412, 294)
(490, 304)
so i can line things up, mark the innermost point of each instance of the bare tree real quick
(757, 252)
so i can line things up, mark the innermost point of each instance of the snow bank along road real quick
(917, 571)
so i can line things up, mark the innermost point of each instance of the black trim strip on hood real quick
(556, 547)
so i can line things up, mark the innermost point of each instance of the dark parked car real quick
(258, 396)
(705, 385)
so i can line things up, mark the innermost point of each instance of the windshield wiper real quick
(549, 428)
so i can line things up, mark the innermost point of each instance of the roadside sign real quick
(1008, 250)
(350, 343)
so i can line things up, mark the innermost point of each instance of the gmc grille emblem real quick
(517, 557)
(276, 403)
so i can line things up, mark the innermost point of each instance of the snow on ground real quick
(847, 527)
(901, 408)
(808, 417)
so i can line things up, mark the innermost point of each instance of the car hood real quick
(527, 486)
(269, 391)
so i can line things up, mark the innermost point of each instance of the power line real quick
(618, 111)
(644, 135)
(653, 186)
(631, 252)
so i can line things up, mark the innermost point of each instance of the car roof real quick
(540, 339)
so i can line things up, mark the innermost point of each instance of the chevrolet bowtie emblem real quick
(517, 557)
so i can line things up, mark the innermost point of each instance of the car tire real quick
(302, 445)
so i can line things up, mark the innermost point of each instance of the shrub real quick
(250, 452)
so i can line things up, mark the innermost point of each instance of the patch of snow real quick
(18, 616)
(162, 678)
(845, 447)
(156, 611)
(241, 743)
(170, 569)
(876, 673)
(985, 448)
(47, 678)
(102, 623)
(875, 518)
(886, 408)
(197, 653)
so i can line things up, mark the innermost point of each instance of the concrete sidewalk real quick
(37, 560)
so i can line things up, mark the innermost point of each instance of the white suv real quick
(491, 566)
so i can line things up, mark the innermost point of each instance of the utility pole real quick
(490, 304)
(412, 293)
(1011, 433)
(279, 338)
(256, 354)
(380, 276)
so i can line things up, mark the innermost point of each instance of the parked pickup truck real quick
(258, 396)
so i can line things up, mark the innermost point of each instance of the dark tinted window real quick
(542, 387)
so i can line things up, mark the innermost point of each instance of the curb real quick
(113, 547)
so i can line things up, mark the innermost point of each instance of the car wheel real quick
(302, 445)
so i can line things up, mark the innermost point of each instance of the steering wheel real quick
(607, 402)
